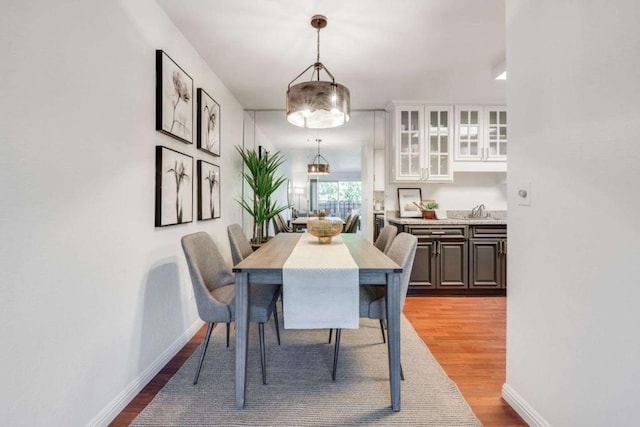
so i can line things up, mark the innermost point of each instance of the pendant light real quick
(319, 165)
(317, 104)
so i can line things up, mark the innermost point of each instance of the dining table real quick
(265, 267)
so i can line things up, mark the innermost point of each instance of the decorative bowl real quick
(324, 229)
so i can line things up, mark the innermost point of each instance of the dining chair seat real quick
(240, 249)
(373, 301)
(213, 285)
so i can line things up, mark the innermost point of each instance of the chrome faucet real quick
(478, 211)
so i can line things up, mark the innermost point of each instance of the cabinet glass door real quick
(469, 138)
(496, 133)
(439, 142)
(409, 151)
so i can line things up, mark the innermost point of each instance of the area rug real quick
(299, 390)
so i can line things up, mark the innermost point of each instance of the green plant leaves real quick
(260, 176)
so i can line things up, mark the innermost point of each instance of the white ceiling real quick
(438, 51)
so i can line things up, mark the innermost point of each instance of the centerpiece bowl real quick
(324, 229)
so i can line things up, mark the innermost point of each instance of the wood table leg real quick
(242, 336)
(393, 334)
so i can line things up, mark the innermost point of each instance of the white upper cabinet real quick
(496, 133)
(439, 139)
(481, 138)
(421, 143)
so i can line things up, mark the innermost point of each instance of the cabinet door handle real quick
(437, 232)
(504, 247)
(433, 248)
(438, 251)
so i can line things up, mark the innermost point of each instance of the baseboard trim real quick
(111, 411)
(522, 407)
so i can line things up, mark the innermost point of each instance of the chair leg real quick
(275, 320)
(227, 334)
(335, 354)
(204, 351)
(330, 335)
(384, 339)
(263, 355)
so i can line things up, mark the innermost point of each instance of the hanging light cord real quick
(317, 66)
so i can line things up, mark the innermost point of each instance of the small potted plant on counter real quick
(428, 209)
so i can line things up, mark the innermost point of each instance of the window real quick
(338, 198)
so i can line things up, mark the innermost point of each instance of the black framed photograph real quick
(407, 197)
(208, 191)
(174, 187)
(174, 99)
(208, 123)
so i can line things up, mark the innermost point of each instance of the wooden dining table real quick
(264, 267)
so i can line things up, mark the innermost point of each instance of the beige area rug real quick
(299, 390)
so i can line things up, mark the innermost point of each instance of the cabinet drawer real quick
(488, 231)
(438, 232)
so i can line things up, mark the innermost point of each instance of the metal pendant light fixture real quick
(319, 165)
(317, 104)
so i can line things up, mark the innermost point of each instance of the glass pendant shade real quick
(318, 168)
(318, 105)
(319, 165)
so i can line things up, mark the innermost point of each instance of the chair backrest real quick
(385, 238)
(403, 252)
(280, 225)
(240, 245)
(352, 225)
(208, 271)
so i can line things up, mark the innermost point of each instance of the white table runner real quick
(320, 286)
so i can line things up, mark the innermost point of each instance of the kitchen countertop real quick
(453, 218)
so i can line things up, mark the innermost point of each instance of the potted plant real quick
(260, 174)
(428, 209)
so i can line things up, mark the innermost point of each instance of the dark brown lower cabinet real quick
(465, 259)
(488, 257)
(441, 259)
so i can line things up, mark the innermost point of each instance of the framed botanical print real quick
(174, 187)
(174, 99)
(406, 199)
(208, 191)
(208, 123)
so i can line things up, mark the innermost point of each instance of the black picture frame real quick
(174, 99)
(174, 187)
(406, 198)
(208, 123)
(208, 198)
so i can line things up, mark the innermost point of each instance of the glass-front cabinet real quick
(481, 136)
(496, 133)
(421, 148)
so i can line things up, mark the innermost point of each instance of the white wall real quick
(467, 190)
(574, 110)
(93, 297)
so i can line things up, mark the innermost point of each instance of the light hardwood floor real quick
(465, 334)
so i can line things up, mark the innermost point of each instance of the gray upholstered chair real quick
(373, 298)
(385, 238)
(351, 225)
(214, 288)
(240, 249)
(240, 245)
(280, 225)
